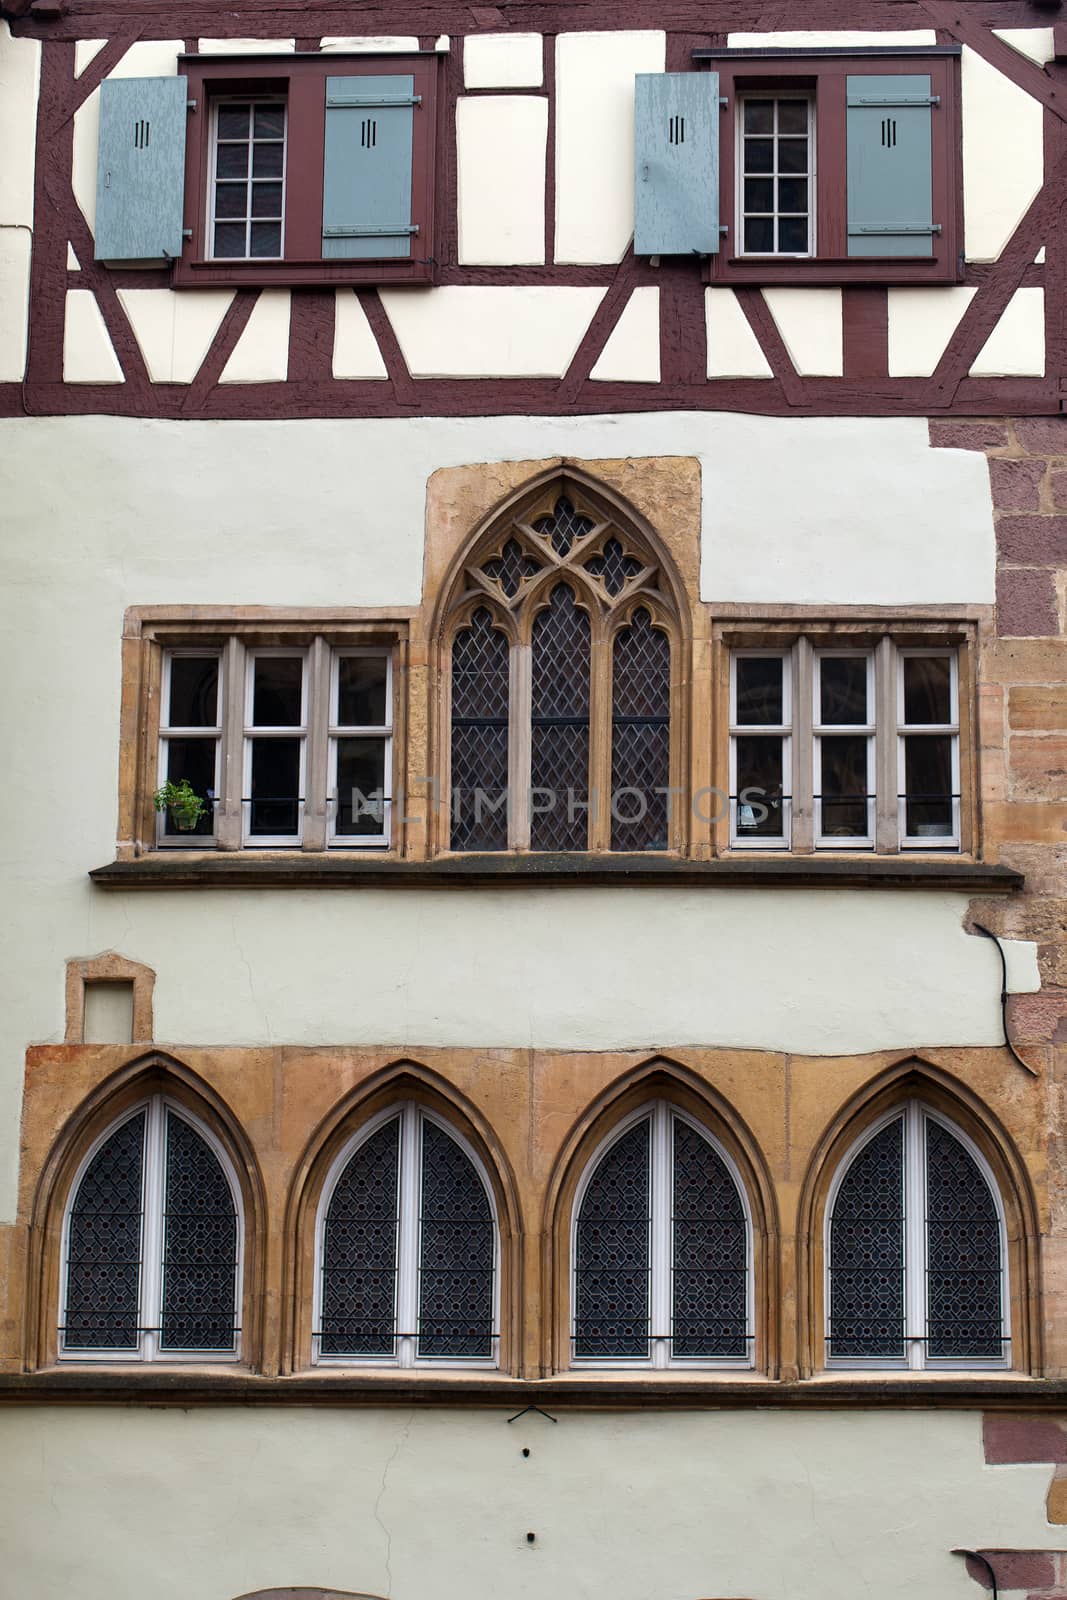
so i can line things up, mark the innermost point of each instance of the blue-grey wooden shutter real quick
(140, 175)
(366, 191)
(890, 171)
(676, 175)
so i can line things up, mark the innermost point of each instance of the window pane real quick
(233, 122)
(560, 726)
(867, 1252)
(266, 240)
(612, 1253)
(792, 116)
(270, 122)
(361, 787)
(266, 199)
(928, 786)
(759, 155)
(104, 1250)
(456, 1252)
(843, 762)
(267, 160)
(199, 1246)
(759, 234)
(792, 194)
(760, 781)
(759, 116)
(231, 200)
(760, 699)
(708, 1276)
(963, 1245)
(792, 155)
(231, 161)
(641, 736)
(361, 684)
(358, 1315)
(759, 194)
(843, 690)
(229, 239)
(275, 796)
(276, 691)
(927, 689)
(194, 760)
(194, 692)
(480, 693)
(793, 235)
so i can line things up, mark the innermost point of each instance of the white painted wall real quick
(595, 140)
(261, 354)
(428, 1503)
(921, 323)
(15, 248)
(475, 332)
(355, 349)
(1016, 346)
(20, 72)
(841, 38)
(503, 61)
(88, 354)
(632, 351)
(1037, 43)
(501, 142)
(1003, 156)
(810, 323)
(174, 331)
(733, 349)
(369, 44)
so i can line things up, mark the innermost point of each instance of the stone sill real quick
(186, 869)
(704, 1391)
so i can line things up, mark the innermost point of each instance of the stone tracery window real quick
(560, 639)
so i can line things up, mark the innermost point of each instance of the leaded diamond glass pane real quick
(456, 1252)
(640, 736)
(613, 567)
(613, 1252)
(199, 1245)
(963, 1281)
(480, 692)
(104, 1245)
(710, 1249)
(559, 768)
(511, 567)
(867, 1252)
(359, 1251)
(564, 527)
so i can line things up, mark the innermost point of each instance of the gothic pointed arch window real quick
(559, 641)
(152, 1243)
(661, 1249)
(916, 1250)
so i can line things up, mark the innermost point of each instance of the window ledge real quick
(231, 869)
(1011, 1392)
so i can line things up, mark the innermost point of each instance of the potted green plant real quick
(182, 804)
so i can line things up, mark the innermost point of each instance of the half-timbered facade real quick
(535, 554)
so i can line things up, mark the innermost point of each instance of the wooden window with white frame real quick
(290, 746)
(407, 1249)
(916, 1250)
(845, 747)
(153, 1233)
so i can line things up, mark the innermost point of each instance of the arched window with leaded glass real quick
(407, 1249)
(661, 1249)
(152, 1244)
(559, 640)
(916, 1250)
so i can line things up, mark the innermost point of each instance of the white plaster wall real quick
(149, 58)
(503, 61)
(20, 72)
(595, 140)
(841, 38)
(88, 354)
(15, 246)
(811, 326)
(367, 44)
(221, 513)
(85, 53)
(261, 354)
(733, 349)
(501, 142)
(247, 47)
(355, 349)
(921, 323)
(1037, 43)
(632, 352)
(1016, 346)
(174, 331)
(1003, 156)
(417, 1503)
(476, 332)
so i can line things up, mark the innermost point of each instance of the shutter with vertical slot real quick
(890, 172)
(366, 198)
(676, 175)
(141, 169)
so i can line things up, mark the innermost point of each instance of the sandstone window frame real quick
(886, 643)
(654, 590)
(234, 634)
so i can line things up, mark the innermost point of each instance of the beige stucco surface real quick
(436, 1505)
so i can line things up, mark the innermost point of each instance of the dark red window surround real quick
(822, 73)
(301, 78)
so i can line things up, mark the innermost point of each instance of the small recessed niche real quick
(108, 1012)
